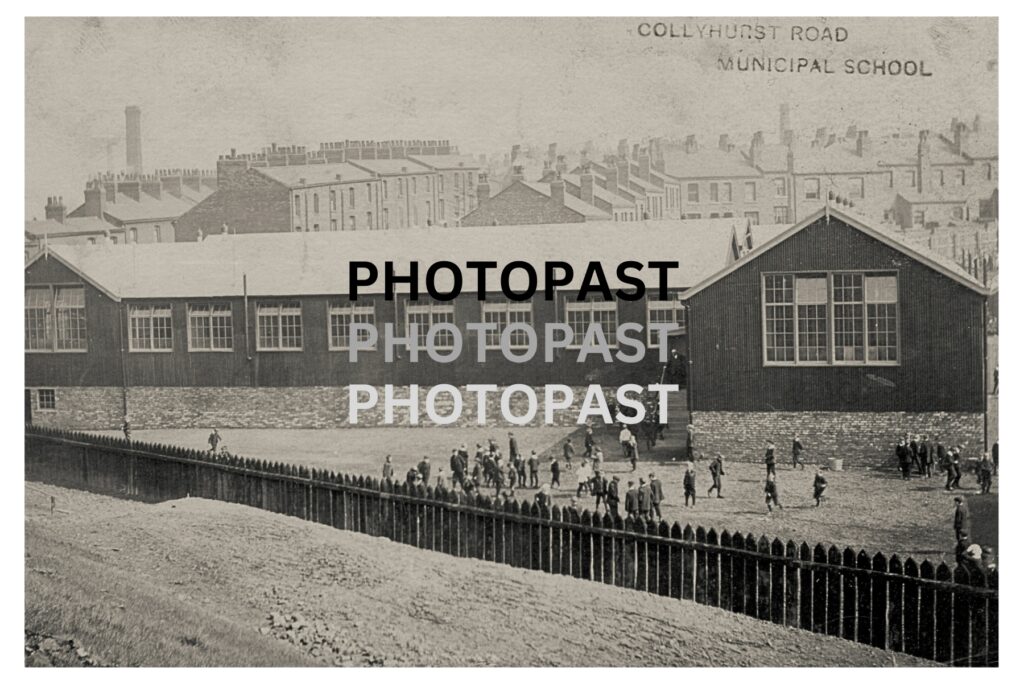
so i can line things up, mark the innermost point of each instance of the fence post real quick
(689, 570)
(896, 601)
(725, 577)
(664, 559)
(778, 583)
(962, 631)
(597, 548)
(713, 569)
(585, 555)
(792, 587)
(608, 549)
(834, 593)
(820, 589)
(653, 543)
(556, 539)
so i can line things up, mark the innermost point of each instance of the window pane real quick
(268, 327)
(37, 319)
(221, 327)
(162, 327)
(70, 318)
(880, 288)
(882, 332)
(849, 336)
(779, 333)
(812, 289)
(813, 333)
(200, 337)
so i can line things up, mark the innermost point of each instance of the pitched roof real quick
(315, 174)
(306, 264)
(70, 226)
(391, 166)
(446, 162)
(148, 208)
(599, 192)
(709, 163)
(915, 251)
(572, 203)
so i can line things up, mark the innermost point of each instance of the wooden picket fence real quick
(947, 615)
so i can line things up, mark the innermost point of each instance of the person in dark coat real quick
(769, 459)
(388, 471)
(632, 501)
(995, 457)
(798, 449)
(915, 461)
(903, 458)
(927, 455)
(961, 518)
(962, 544)
(611, 496)
(690, 486)
(424, 469)
(985, 470)
(411, 475)
(457, 467)
(717, 472)
(513, 447)
(820, 484)
(588, 441)
(556, 473)
(916, 454)
(771, 492)
(214, 440)
(599, 487)
(543, 497)
(534, 466)
(657, 494)
(954, 460)
(646, 501)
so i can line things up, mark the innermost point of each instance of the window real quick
(369, 192)
(156, 233)
(961, 177)
(727, 214)
(341, 316)
(55, 319)
(812, 188)
(413, 181)
(940, 177)
(351, 222)
(957, 213)
(780, 187)
(726, 192)
(316, 227)
(856, 188)
(919, 218)
(351, 197)
(150, 328)
(911, 178)
(458, 182)
(429, 184)
(440, 182)
(298, 205)
(753, 216)
(316, 203)
(692, 216)
(334, 225)
(133, 235)
(425, 315)
(504, 314)
(891, 181)
(91, 240)
(334, 200)
(47, 399)
(667, 311)
(384, 186)
(713, 215)
(369, 220)
(113, 239)
(855, 312)
(778, 318)
(440, 210)
(988, 171)
(386, 220)
(693, 192)
(401, 187)
(279, 326)
(750, 192)
(780, 214)
(713, 192)
(209, 327)
(580, 314)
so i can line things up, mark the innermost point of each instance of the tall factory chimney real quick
(133, 137)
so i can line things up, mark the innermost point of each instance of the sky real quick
(208, 85)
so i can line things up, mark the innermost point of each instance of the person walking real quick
(820, 484)
(214, 440)
(624, 436)
(632, 500)
(556, 473)
(457, 467)
(533, 464)
(657, 494)
(771, 493)
(946, 464)
(985, 469)
(798, 449)
(954, 464)
(126, 429)
(690, 486)
(583, 476)
(611, 496)
(961, 518)
(645, 501)
(717, 472)
(769, 458)
(424, 470)
(513, 447)
(568, 452)
(916, 455)
(388, 471)
(599, 487)
(588, 442)
(927, 455)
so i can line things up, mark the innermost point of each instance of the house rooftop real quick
(305, 175)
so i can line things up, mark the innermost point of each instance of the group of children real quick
(771, 488)
(918, 453)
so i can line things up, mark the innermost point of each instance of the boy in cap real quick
(534, 466)
(543, 497)
(769, 458)
(771, 493)
(388, 470)
(632, 500)
(690, 486)
(798, 449)
(820, 484)
(612, 496)
(961, 518)
(717, 472)
(657, 494)
(556, 473)
(645, 500)
(588, 441)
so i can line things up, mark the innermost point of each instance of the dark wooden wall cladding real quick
(935, 612)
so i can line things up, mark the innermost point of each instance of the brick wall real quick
(861, 439)
(259, 407)
(520, 205)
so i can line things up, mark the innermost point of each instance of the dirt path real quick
(196, 581)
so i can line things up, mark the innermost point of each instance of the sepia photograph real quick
(511, 342)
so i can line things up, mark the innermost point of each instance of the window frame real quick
(210, 315)
(280, 305)
(350, 309)
(591, 306)
(431, 309)
(152, 307)
(830, 320)
(674, 304)
(51, 321)
(506, 308)
(817, 188)
(39, 399)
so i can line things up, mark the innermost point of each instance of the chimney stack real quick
(95, 199)
(831, 140)
(558, 191)
(552, 152)
(863, 143)
(623, 178)
(587, 185)
(644, 165)
(611, 179)
(756, 148)
(851, 132)
(133, 138)
(517, 174)
(690, 146)
(623, 148)
(560, 165)
(723, 142)
(55, 209)
(516, 149)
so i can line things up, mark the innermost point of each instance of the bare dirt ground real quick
(864, 509)
(197, 582)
